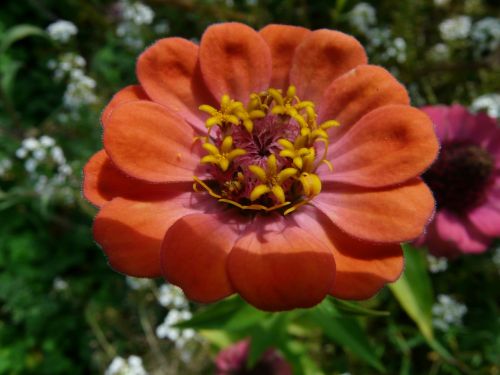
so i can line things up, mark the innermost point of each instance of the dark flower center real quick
(460, 176)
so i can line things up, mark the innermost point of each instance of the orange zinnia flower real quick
(274, 164)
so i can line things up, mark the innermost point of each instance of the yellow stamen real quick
(226, 114)
(271, 179)
(293, 176)
(224, 156)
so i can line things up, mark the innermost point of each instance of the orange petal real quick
(363, 268)
(102, 182)
(278, 266)
(393, 214)
(194, 255)
(148, 142)
(128, 94)
(169, 72)
(387, 146)
(131, 232)
(234, 60)
(282, 40)
(323, 56)
(356, 93)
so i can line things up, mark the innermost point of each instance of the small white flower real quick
(64, 170)
(59, 284)
(447, 312)
(178, 336)
(437, 264)
(486, 34)
(138, 13)
(39, 154)
(21, 153)
(57, 155)
(362, 17)
(30, 144)
(455, 28)
(116, 366)
(62, 31)
(162, 27)
(30, 165)
(137, 283)
(172, 297)
(132, 366)
(441, 3)
(80, 90)
(47, 141)
(489, 103)
(439, 52)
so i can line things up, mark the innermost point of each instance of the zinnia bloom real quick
(274, 164)
(465, 180)
(233, 361)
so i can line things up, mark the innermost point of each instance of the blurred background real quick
(64, 311)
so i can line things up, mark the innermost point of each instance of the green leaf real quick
(213, 316)
(414, 290)
(415, 294)
(270, 333)
(8, 71)
(345, 331)
(296, 353)
(355, 309)
(17, 33)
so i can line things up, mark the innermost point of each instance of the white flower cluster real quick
(5, 166)
(447, 312)
(389, 48)
(80, 89)
(65, 64)
(489, 103)
(455, 28)
(486, 34)
(62, 31)
(362, 17)
(132, 366)
(180, 337)
(138, 13)
(437, 264)
(380, 41)
(134, 15)
(171, 296)
(43, 155)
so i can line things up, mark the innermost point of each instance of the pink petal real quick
(460, 233)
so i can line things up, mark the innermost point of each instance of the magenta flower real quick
(465, 180)
(232, 361)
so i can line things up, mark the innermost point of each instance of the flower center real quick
(460, 176)
(264, 156)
